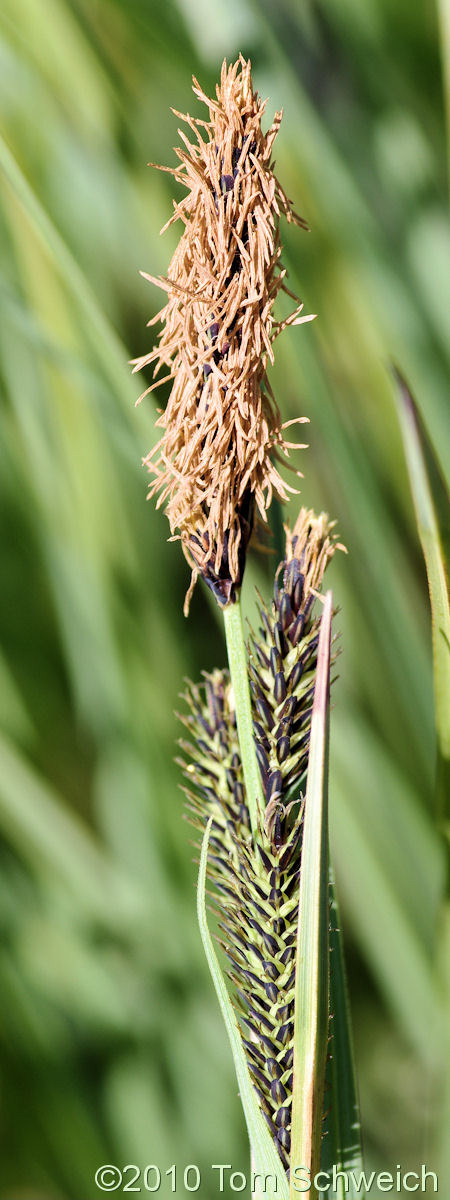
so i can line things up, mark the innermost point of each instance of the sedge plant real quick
(255, 750)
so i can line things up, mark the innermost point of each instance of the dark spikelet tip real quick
(286, 857)
(270, 1123)
(271, 991)
(261, 736)
(286, 614)
(279, 638)
(278, 1092)
(283, 748)
(278, 926)
(285, 1032)
(288, 710)
(275, 785)
(265, 713)
(297, 593)
(283, 1117)
(278, 837)
(259, 1075)
(270, 943)
(264, 859)
(267, 630)
(223, 580)
(279, 689)
(288, 1059)
(273, 1067)
(275, 662)
(263, 760)
(296, 630)
(295, 676)
(239, 796)
(262, 656)
(271, 970)
(289, 575)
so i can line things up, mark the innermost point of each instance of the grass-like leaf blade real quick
(427, 491)
(312, 970)
(417, 452)
(342, 1141)
(108, 345)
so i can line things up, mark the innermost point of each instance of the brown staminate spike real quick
(257, 883)
(215, 465)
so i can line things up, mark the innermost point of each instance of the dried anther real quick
(222, 432)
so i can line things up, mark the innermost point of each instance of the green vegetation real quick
(112, 1047)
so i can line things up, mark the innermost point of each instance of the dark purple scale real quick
(266, 622)
(270, 942)
(275, 661)
(275, 785)
(273, 1068)
(279, 639)
(238, 792)
(263, 760)
(264, 859)
(244, 816)
(257, 1074)
(265, 713)
(278, 832)
(279, 689)
(286, 857)
(286, 614)
(288, 1059)
(289, 576)
(278, 1092)
(270, 969)
(283, 748)
(262, 656)
(288, 710)
(283, 1012)
(271, 991)
(295, 676)
(284, 1032)
(297, 593)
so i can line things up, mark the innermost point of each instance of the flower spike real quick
(215, 464)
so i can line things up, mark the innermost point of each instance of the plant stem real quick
(237, 659)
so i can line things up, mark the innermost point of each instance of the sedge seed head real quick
(216, 463)
(254, 881)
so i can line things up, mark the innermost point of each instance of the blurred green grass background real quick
(111, 1046)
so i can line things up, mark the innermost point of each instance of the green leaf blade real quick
(416, 451)
(342, 1143)
(312, 969)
